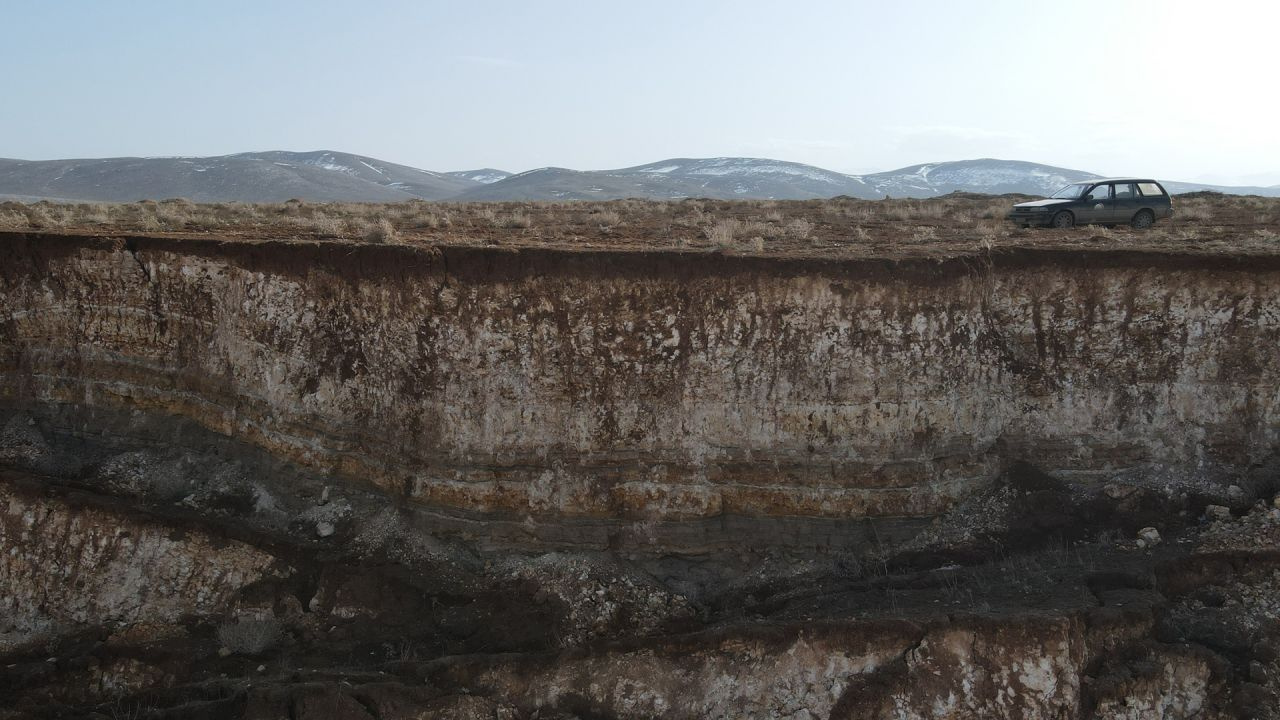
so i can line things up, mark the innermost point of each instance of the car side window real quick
(1126, 191)
(1100, 193)
(1150, 189)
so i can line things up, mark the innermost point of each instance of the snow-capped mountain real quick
(735, 177)
(328, 176)
(981, 176)
(749, 177)
(731, 178)
(423, 184)
(724, 178)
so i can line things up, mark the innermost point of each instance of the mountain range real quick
(323, 176)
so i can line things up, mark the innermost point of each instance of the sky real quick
(1177, 90)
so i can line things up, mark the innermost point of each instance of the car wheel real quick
(1143, 220)
(1063, 219)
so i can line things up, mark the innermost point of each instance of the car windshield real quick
(1070, 192)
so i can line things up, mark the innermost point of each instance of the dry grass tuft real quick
(380, 231)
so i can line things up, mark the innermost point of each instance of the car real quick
(1138, 202)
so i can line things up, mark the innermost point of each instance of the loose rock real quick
(324, 529)
(1218, 512)
(1148, 537)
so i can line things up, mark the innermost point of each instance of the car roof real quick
(1113, 180)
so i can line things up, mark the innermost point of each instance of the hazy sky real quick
(1179, 90)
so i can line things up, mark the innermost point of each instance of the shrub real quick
(799, 229)
(380, 231)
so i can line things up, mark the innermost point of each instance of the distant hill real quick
(483, 175)
(320, 176)
(247, 177)
(982, 176)
(725, 178)
(732, 177)
(1186, 187)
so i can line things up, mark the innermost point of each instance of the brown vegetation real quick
(834, 227)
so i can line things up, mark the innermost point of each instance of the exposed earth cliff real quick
(320, 479)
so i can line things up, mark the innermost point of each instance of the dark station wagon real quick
(1136, 201)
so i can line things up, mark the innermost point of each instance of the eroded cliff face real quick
(471, 482)
(658, 386)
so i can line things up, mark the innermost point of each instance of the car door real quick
(1127, 202)
(1097, 205)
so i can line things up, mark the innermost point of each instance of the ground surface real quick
(838, 228)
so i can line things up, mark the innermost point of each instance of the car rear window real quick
(1150, 189)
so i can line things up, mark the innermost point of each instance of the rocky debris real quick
(974, 520)
(1256, 531)
(1218, 512)
(324, 529)
(22, 445)
(1148, 537)
(601, 597)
